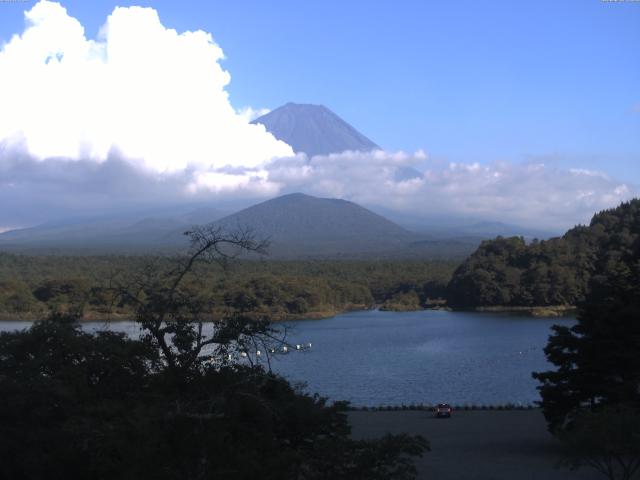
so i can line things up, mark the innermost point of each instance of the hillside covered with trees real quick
(510, 272)
(590, 397)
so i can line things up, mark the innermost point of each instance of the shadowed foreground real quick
(476, 445)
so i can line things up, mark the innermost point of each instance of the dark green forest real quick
(510, 272)
(591, 398)
(33, 286)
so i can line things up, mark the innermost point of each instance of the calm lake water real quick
(389, 358)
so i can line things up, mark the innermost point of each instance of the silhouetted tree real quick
(181, 402)
(607, 440)
(597, 359)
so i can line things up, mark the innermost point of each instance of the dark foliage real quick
(32, 286)
(508, 272)
(597, 359)
(607, 440)
(176, 403)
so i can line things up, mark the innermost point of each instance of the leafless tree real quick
(180, 324)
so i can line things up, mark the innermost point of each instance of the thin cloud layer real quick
(409, 184)
(140, 118)
(531, 194)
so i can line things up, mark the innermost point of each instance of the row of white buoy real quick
(285, 349)
(298, 347)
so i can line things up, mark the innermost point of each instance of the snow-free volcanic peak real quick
(314, 130)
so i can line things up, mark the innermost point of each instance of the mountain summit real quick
(300, 225)
(314, 130)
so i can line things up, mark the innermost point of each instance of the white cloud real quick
(531, 194)
(154, 95)
(250, 114)
(140, 117)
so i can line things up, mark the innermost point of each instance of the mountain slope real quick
(302, 225)
(127, 233)
(297, 225)
(314, 130)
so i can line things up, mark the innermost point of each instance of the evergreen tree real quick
(598, 359)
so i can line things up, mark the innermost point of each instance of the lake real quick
(391, 358)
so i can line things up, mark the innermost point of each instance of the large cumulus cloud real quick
(140, 117)
(155, 95)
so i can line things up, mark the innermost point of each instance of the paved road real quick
(477, 445)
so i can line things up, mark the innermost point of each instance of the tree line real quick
(510, 272)
(33, 286)
(591, 400)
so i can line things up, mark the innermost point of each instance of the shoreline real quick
(535, 311)
(551, 311)
(508, 406)
(279, 317)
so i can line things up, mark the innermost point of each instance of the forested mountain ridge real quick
(310, 223)
(300, 226)
(508, 272)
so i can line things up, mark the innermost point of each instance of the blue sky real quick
(465, 80)
(553, 82)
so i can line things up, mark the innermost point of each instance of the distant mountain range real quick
(297, 226)
(487, 229)
(471, 228)
(447, 226)
(314, 130)
(114, 234)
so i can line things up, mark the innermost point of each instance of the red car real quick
(443, 410)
